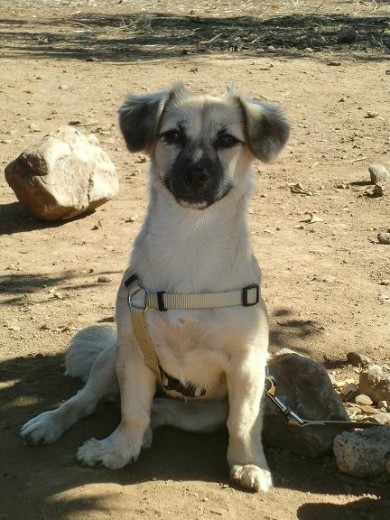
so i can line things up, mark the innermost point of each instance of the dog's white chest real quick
(189, 349)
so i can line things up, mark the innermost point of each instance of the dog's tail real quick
(85, 347)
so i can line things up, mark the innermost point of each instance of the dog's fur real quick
(194, 239)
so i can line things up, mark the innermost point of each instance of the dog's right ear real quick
(139, 118)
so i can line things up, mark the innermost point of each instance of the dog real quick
(194, 241)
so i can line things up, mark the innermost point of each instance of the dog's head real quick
(201, 146)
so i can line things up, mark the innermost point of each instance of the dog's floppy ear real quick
(139, 118)
(267, 129)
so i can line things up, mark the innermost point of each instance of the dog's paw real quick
(43, 429)
(251, 477)
(110, 452)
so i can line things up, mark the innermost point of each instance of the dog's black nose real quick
(196, 177)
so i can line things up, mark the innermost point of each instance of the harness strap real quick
(142, 334)
(163, 301)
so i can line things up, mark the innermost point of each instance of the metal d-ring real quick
(133, 293)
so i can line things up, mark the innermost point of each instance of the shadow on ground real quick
(14, 219)
(141, 36)
(33, 384)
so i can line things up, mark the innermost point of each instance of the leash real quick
(163, 301)
(294, 419)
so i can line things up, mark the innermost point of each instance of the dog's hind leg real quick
(196, 416)
(49, 426)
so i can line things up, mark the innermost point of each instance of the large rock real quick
(304, 386)
(375, 383)
(63, 175)
(363, 453)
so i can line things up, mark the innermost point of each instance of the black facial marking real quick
(197, 176)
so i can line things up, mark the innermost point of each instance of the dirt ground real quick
(326, 283)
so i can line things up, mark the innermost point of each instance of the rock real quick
(379, 174)
(382, 404)
(357, 360)
(370, 114)
(378, 191)
(367, 409)
(349, 391)
(383, 237)
(104, 279)
(362, 453)
(363, 400)
(346, 35)
(375, 383)
(304, 386)
(63, 175)
(381, 418)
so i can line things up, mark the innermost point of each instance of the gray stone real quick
(356, 359)
(383, 237)
(304, 386)
(63, 175)
(363, 453)
(375, 383)
(379, 174)
(346, 35)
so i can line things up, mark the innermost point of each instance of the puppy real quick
(194, 241)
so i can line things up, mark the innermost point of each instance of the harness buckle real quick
(246, 296)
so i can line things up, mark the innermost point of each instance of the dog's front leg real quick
(137, 386)
(246, 459)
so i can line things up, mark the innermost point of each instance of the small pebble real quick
(384, 238)
(104, 279)
(368, 410)
(381, 418)
(378, 174)
(346, 35)
(378, 191)
(349, 391)
(356, 359)
(363, 400)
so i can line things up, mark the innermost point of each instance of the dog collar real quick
(163, 301)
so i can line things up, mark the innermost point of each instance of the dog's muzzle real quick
(197, 183)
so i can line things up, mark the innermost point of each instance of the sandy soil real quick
(326, 283)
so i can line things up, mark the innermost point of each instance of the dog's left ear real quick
(266, 127)
(139, 118)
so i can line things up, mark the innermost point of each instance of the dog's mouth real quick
(198, 201)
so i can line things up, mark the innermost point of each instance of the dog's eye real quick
(173, 137)
(226, 141)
